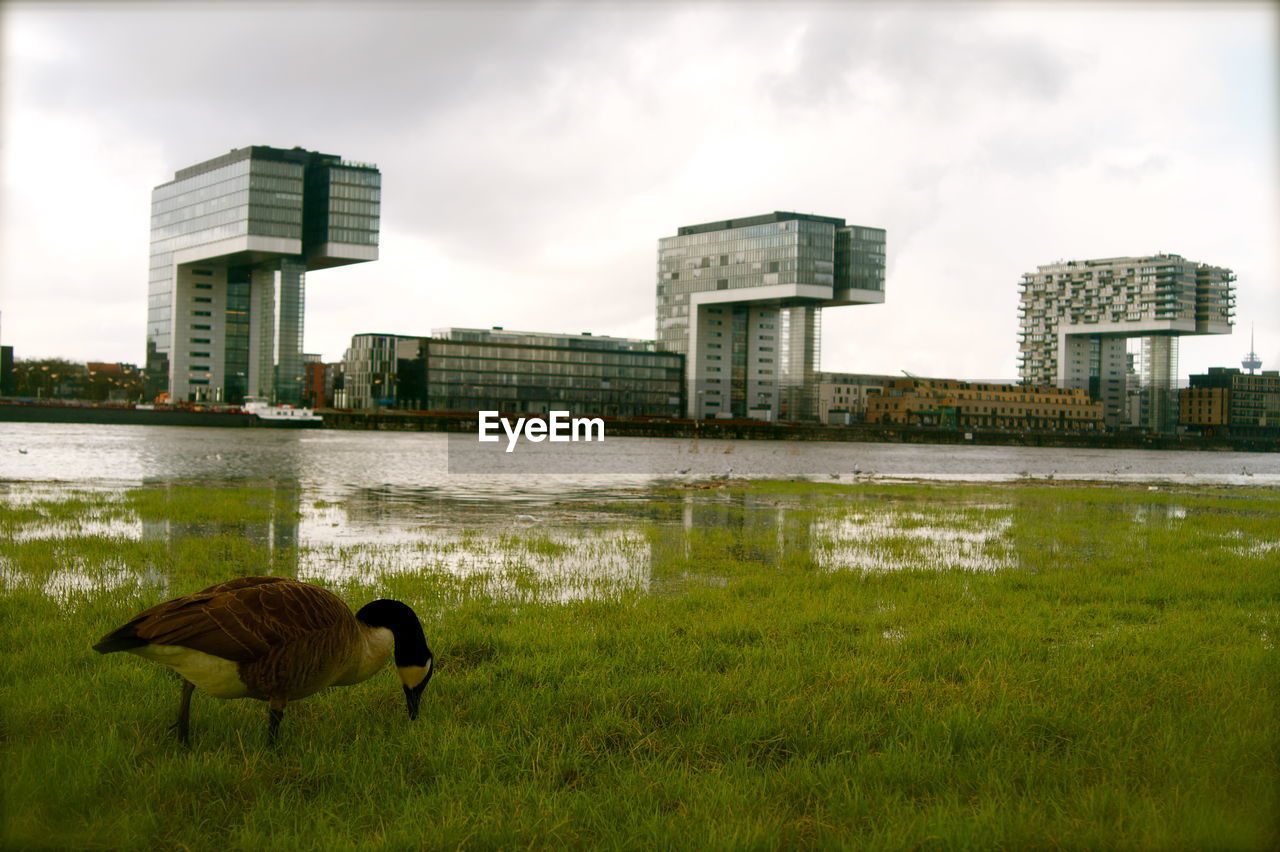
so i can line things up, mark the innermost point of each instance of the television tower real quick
(1251, 361)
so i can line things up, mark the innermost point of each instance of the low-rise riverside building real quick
(1226, 401)
(517, 372)
(965, 405)
(842, 397)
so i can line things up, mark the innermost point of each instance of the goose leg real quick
(275, 713)
(183, 725)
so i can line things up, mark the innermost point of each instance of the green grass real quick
(1099, 672)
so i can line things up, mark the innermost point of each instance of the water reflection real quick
(965, 540)
(544, 549)
(274, 526)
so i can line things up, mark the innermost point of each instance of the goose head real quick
(414, 660)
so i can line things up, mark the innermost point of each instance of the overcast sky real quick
(532, 156)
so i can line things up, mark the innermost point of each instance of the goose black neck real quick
(411, 644)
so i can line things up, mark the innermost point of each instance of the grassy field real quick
(806, 665)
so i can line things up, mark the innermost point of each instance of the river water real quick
(332, 462)
(363, 504)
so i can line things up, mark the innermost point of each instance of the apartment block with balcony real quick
(1076, 318)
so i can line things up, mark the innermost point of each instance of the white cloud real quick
(532, 157)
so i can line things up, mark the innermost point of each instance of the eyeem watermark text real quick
(557, 427)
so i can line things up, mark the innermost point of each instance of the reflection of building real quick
(842, 397)
(947, 402)
(231, 241)
(1226, 401)
(741, 299)
(744, 527)
(1077, 316)
(460, 369)
(277, 533)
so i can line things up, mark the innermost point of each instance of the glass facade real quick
(225, 231)
(773, 274)
(513, 372)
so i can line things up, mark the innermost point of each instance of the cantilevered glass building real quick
(741, 299)
(232, 239)
(1077, 316)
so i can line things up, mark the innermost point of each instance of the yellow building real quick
(949, 402)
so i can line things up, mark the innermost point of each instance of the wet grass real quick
(794, 671)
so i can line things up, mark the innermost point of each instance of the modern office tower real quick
(515, 372)
(1077, 317)
(741, 299)
(232, 239)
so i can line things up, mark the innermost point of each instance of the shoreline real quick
(454, 422)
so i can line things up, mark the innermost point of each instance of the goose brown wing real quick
(242, 620)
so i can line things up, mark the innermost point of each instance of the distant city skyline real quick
(536, 154)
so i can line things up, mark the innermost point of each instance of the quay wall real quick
(409, 421)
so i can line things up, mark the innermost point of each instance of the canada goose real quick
(276, 640)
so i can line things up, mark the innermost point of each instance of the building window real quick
(200, 285)
(201, 313)
(199, 355)
(204, 299)
(195, 327)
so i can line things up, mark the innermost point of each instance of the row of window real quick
(354, 177)
(357, 208)
(231, 172)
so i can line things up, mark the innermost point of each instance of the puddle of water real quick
(550, 548)
(899, 541)
(539, 562)
(1243, 545)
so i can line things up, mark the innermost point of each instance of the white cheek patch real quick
(411, 676)
(214, 675)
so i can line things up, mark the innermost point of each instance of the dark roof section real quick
(259, 152)
(776, 216)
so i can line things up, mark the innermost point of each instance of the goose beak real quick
(418, 675)
(413, 695)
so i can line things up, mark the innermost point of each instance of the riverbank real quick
(388, 420)
(796, 665)
(409, 421)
